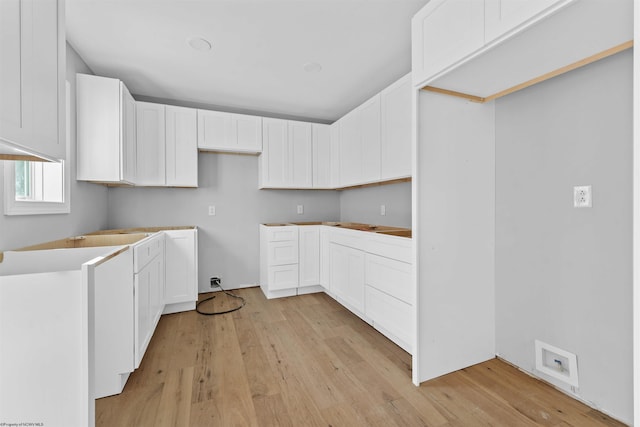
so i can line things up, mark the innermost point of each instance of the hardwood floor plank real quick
(307, 361)
(272, 411)
(174, 409)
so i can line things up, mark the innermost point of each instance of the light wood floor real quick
(306, 361)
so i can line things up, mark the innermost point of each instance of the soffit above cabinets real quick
(258, 53)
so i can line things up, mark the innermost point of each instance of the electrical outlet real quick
(300, 209)
(383, 210)
(582, 196)
(212, 210)
(215, 282)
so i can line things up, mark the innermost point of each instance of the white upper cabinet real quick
(360, 144)
(106, 131)
(558, 37)
(395, 143)
(350, 145)
(150, 134)
(334, 132)
(443, 32)
(321, 140)
(286, 160)
(370, 142)
(181, 149)
(300, 157)
(502, 16)
(228, 132)
(32, 76)
(274, 159)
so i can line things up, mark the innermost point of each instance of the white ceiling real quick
(259, 50)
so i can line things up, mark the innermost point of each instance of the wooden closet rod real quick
(546, 76)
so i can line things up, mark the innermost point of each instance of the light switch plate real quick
(582, 196)
(383, 210)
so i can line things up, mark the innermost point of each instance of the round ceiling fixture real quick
(312, 67)
(198, 43)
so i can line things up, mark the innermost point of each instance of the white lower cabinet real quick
(289, 259)
(309, 255)
(278, 260)
(325, 254)
(347, 277)
(148, 282)
(388, 298)
(181, 270)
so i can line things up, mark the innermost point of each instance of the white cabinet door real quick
(300, 162)
(335, 155)
(181, 147)
(128, 140)
(32, 76)
(309, 255)
(150, 134)
(443, 33)
(395, 144)
(347, 276)
(106, 130)
(502, 16)
(214, 130)
(149, 302)
(246, 133)
(321, 136)
(274, 159)
(220, 131)
(325, 279)
(350, 149)
(369, 152)
(181, 267)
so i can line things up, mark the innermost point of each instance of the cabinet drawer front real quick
(281, 253)
(282, 234)
(283, 277)
(146, 250)
(389, 276)
(348, 238)
(398, 248)
(389, 313)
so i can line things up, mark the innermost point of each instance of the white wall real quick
(363, 205)
(228, 241)
(564, 275)
(88, 201)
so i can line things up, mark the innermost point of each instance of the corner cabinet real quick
(32, 76)
(106, 131)
(229, 132)
(286, 160)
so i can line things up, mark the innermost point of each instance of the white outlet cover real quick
(300, 209)
(212, 210)
(582, 196)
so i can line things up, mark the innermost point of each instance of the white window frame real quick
(25, 207)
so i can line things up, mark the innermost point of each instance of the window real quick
(32, 188)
